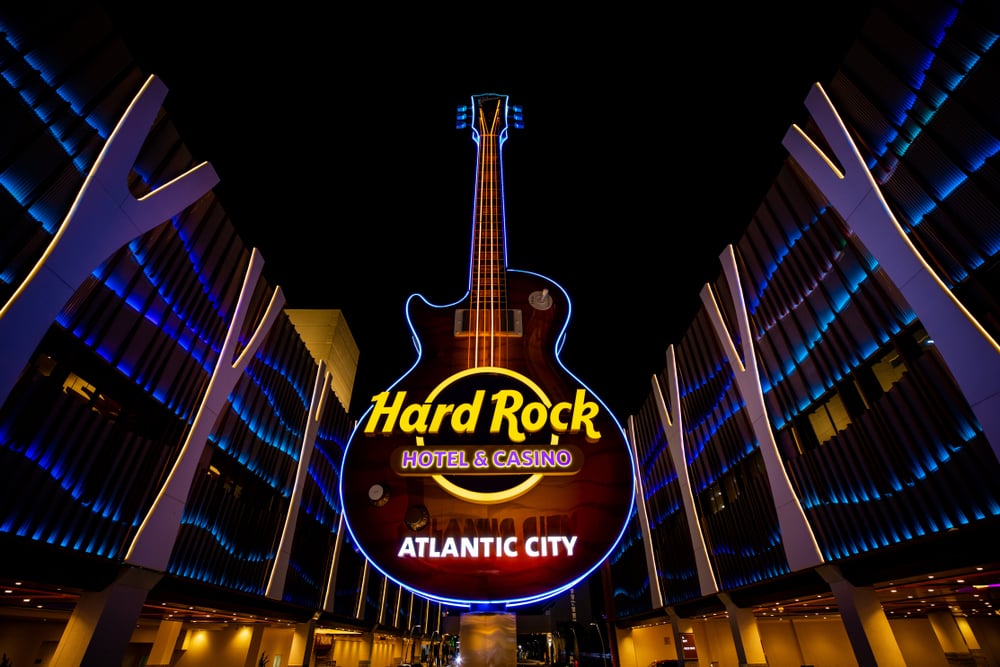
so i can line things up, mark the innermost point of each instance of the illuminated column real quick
(300, 653)
(673, 428)
(155, 539)
(104, 217)
(107, 615)
(253, 649)
(276, 583)
(969, 636)
(973, 357)
(102, 622)
(331, 578)
(675, 626)
(867, 626)
(642, 513)
(746, 636)
(625, 639)
(797, 537)
(165, 643)
(950, 637)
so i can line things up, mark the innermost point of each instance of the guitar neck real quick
(488, 320)
(488, 283)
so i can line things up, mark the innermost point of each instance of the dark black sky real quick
(651, 136)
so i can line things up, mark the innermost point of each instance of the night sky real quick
(649, 142)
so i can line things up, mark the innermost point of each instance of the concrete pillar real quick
(165, 643)
(253, 650)
(949, 635)
(865, 621)
(746, 635)
(300, 654)
(99, 629)
(967, 634)
(675, 627)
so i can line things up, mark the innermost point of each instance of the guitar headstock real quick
(489, 114)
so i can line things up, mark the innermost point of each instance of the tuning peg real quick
(462, 117)
(517, 116)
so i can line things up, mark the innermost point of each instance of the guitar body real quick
(488, 472)
(533, 353)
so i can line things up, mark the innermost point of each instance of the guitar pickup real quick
(503, 322)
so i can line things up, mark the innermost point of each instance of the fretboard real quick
(489, 262)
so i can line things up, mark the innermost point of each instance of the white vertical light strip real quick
(672, 423)
(104, 217)
(655, 591)
(801, 548)
(279, 567)
(330, 590)
(972, 355)
(157, 534)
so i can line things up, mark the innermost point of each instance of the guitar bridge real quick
(506, 322)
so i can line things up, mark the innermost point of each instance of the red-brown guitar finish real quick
(431, 493)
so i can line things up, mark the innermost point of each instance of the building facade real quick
(821, 442)
(167, 424)
(823, 437)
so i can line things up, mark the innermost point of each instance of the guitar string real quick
(484, 237)
(490, 240)
(484, 312)
(478, 222)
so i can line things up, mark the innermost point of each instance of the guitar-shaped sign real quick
(488, 473)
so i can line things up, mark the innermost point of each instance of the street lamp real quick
(601, 637)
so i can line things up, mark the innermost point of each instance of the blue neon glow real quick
(16, 75)
(557, 587)
(914, 115)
